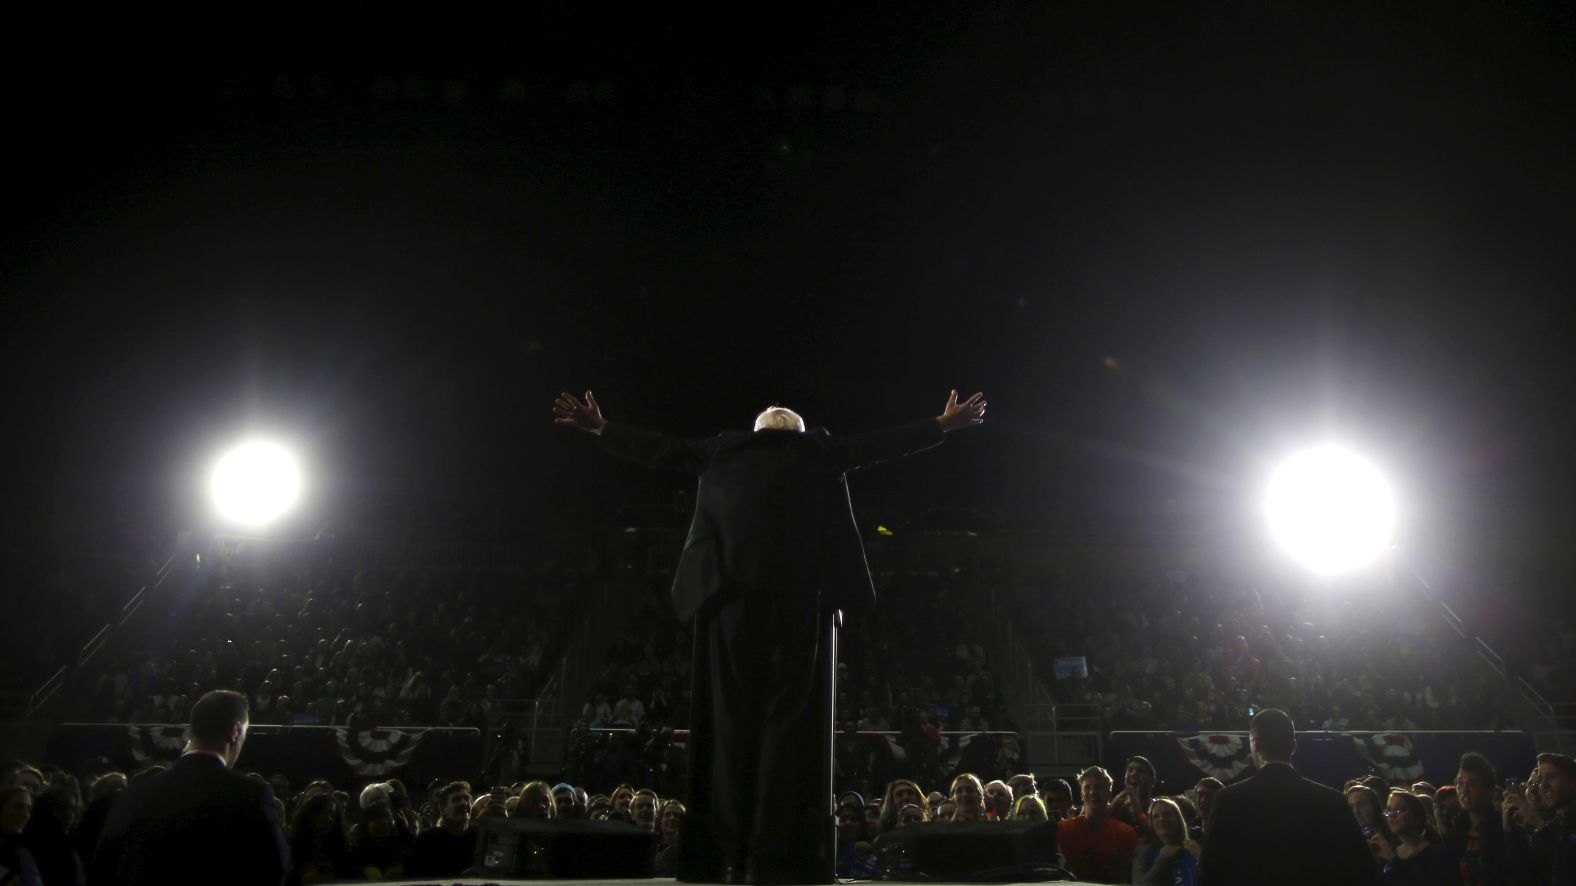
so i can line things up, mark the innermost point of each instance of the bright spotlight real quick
(1330, 509)
(255, 483)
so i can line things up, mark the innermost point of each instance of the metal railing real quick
(1061, 736)
(1537, 714)
(1054, 736)
(56, 681)
(539, 721)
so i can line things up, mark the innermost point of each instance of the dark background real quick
(1169, 243)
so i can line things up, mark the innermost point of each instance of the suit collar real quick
(202, 758)
(1279, 771)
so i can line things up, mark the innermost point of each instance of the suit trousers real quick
(760, 742)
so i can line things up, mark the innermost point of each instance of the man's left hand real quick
(962, 415)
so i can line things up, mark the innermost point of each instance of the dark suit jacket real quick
(1280, 828)
(197, 822)
(772, 513)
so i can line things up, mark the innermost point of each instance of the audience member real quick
(1029, 808)
(1058, 795)
(567, 803)
(319, 850)
(643, 809)
(382, 849)
(670, 825)
(998, 801)
(855, 860)
(1412, 857)
(449, 849)
(536, 801)
(1204, 797)
(1131, 806)
(1446, 806)
(1476, 838)
(101, 796)
(1278, 827)
(1546, 852)
(1096, 846)
(968, 798)
(1368, 811)
(1023, 785)
(900, 794)
(198, 821)
(1167, 856)
(49, 835)
(23, 775)
(16, 861)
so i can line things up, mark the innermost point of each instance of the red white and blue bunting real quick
(377, 752)
(1390, 754)
(1225, 757)
(156, 744)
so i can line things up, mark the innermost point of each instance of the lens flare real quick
(1330, 509)
(255, 483)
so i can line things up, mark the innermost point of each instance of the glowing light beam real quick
(254, 483)
(1330, 509)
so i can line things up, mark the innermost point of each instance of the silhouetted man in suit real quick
(1278, 827)
(197, 822)
(773, 553)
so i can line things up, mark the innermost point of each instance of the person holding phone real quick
(1541, 843)
(1369, 812)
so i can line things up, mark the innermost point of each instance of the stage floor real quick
(648, 882)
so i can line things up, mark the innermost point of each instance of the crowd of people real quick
(892, 678)
(889, 661)
(1176, 654)
(312, 640)
(113, 828)
(1186, 654)
(335, 643)
(55, 829)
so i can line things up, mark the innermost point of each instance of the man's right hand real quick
(586, 416)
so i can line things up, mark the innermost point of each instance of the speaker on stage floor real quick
(971, 851)
(517, 847)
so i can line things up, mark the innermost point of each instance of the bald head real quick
(779, 418)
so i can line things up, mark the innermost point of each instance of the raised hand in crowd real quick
(1516, 812)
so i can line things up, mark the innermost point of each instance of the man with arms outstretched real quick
(773, 553)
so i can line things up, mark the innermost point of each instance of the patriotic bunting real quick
(1223, 756)
(156, 744)
(377, 752)
(1390, 754)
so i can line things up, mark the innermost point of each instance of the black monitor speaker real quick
(515, 847)
(973, 851)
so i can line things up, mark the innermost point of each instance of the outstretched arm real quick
(650, 448)
(863, 450)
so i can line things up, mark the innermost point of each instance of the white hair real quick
(377, 792)
(780, 418)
